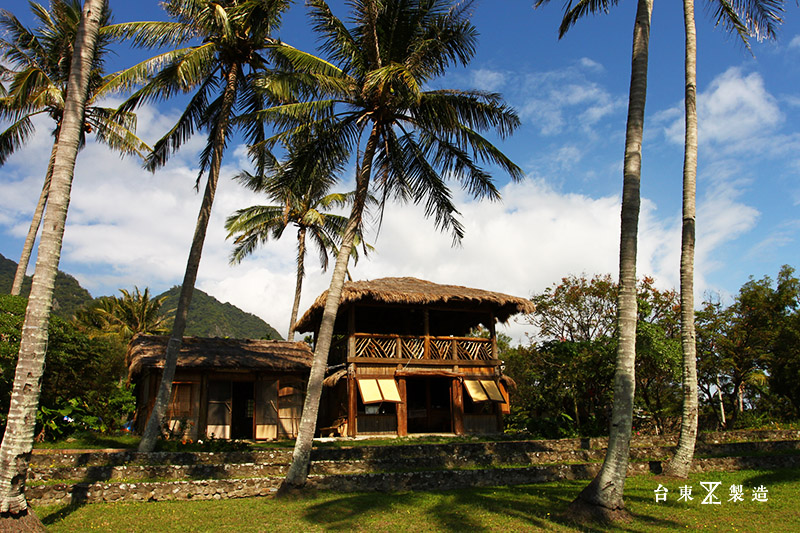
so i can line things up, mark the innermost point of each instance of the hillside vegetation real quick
(208, 317)
(67, 298)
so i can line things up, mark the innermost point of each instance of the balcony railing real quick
(433, 348)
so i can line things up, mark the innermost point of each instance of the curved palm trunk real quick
(301, 457)
(30, 238)
(603, 496)
(18, 439)
(301, 255)
(682, 461)
(154, 423)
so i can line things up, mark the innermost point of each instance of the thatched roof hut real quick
(148, 351)
(417, 292)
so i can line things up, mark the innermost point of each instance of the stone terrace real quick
(61, 477)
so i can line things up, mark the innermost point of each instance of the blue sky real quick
(128, 227)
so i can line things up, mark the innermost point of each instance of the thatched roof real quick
(413, 291)
(148, 351)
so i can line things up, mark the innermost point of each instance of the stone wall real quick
(63, 477)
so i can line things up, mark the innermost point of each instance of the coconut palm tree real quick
(40, 61)
(18, 438)
(371, 99)
(301, 200)
(126, 316)
(603, 496)
(231, 37)
(758, 18)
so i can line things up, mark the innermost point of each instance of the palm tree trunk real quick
(603, 496)
(18, 439)
(301, 254)
(154, 423)
(27, 247)
(301, 457)
(682, 461)
(721, 405)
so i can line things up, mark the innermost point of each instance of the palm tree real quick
(753, 17)
(370, 99)
(232, 35)
(126, 316)
(37, 84)
(301, 200)
(18, 439)
(602, 498)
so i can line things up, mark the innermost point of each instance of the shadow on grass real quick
(773, 477)
(60, 513)
(528, 507)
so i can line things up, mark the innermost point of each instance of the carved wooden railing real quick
(408, 347)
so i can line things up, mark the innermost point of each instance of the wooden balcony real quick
(425, 348)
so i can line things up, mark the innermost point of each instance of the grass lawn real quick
(523, 508)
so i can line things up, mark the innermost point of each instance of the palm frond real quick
(14, 137)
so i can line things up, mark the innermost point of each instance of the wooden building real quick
(225, 388)
(403, 360)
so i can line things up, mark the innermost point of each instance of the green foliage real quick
(750, 351)
(564, 380)
(68, 295)
(82, 375)
(126, 316)
(208, 317)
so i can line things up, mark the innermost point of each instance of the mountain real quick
(208, 317)
(68, 295)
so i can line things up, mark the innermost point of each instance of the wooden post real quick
(493, 334)
(202, 415)
(458, 406)
(426, 331)
(352, 403)
(351, 332)
(402, 409)
(398, 347)
(453, 349)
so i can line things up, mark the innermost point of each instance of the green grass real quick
(524, 508)
(90, 440)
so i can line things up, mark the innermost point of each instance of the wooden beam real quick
(352, 404)
(402, 409)
(458, 406)
(351, 331)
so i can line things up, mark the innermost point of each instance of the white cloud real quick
(551, 99)
(487, 80)
(795, 42)
(734, 112)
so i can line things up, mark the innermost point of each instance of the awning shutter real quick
(475, 390)
(378, 390)
(389, 390)
(492, 391)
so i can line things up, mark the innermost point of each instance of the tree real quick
(602, 498)
(233, 36)
(302, 199)
(40, 60)
(572, 364)
(18, 438)
(750, 17)
(744, 343)
(127, 316)
(415, 138)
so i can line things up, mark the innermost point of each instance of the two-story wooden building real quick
(405, 358)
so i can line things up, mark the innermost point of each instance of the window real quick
(483, 390)
(378, 390)
(180, 406)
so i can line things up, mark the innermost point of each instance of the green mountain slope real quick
(208, 317)
(68, 295)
